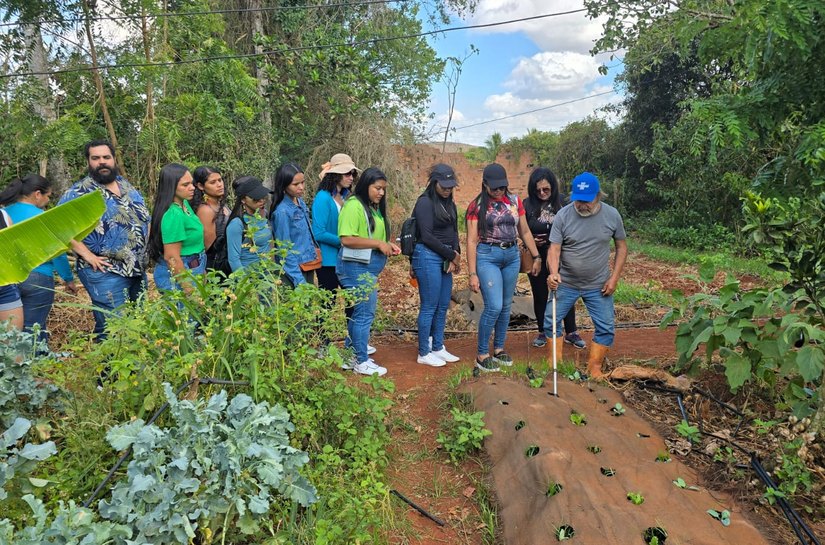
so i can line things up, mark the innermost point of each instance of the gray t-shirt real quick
(585, 245)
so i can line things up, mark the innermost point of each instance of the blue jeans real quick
(108, 291)
(37, 294)
(352, 276)
(163, 276)
(598, 306)
(434, 289)
(497, 270)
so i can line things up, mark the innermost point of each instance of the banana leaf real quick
(27, 244)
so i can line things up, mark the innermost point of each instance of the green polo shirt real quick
(352, 221)
(182, 225)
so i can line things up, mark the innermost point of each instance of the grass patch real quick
(722, 261)
(641, 295)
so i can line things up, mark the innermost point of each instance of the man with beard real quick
(579, 265)
(111, 260)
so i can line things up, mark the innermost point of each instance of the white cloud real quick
(574, 32)
(552, 74)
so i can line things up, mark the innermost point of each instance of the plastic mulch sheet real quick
(535, 444)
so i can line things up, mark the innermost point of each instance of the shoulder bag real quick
(358, 255)
(315, 263)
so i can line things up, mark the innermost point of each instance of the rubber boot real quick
(554, 344)
(596, 359)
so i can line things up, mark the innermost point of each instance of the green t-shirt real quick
(182, 225)
(352, 221)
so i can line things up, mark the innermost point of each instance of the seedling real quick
(723, 517)
(655, 535)
(564, 532)
(537, 382)
(531, 451)
(636, 498)
(663, 457)
(691, 433)
(680, 483)
(772, 494)
(578, 419)
(520, 424)
(608, 471)
(595, 449)
(553, 488)
(575, 376)
(617, 410)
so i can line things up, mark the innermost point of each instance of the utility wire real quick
(536, 110)
(193, 13)
(287, 49)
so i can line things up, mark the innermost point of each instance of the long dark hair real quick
(283, 178)
(23, 187)
(535, 203)
(362, 193)
(168, 180)
(199, 176)
(331, 180)
(446, 214)
(238, 210)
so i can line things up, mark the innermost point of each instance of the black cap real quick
(444, 175)
(252, 187)
(494, 176)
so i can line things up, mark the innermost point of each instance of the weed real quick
(723, 516)
(564, 532)
(663, 457)
(691, 433)
(553, 488)
(617, 410)
(531, 451)
(595, 449)
(463, 434)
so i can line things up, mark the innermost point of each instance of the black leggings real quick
(328, 280)
(541, 294)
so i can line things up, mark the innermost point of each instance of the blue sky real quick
(520, 67)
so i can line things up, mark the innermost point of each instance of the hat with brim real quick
(252, 187)
(585, 187)
(494, 176)
(341, 163)
(444, 175)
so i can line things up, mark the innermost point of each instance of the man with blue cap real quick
(579, 265)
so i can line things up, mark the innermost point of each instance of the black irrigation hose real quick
(421, 510)
(800, 528)
(160, 411)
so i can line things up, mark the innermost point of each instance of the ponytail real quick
(23, 187)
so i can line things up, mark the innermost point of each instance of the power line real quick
(286, 50)
(194, 13)
(536, 110)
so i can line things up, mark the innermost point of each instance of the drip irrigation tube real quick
(160, 411)
(418, 508)
(800, 528)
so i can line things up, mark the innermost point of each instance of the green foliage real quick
(578, 419)
(723, 517)
(635, 498)
(21, 392)
(691, 433)
(19, 459)
(219, 465)
(463, 434)
(791, 473)
(617, 410)
(663, 457)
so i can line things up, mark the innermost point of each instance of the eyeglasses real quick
(350, 173)
(543, 190)
(502, 189)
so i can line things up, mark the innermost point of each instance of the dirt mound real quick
(536, 444)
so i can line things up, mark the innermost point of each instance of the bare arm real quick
(618, 265)
(95, 262)
(553, 257)
(171, 254)
(472, 242)
(207, 217)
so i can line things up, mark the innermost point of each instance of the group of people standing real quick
(344, 242)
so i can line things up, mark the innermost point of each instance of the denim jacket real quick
(290, 223)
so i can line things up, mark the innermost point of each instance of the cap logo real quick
(583, 185)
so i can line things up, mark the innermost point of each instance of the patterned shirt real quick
(502, 218)
(121, 234)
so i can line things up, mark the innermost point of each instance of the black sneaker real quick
(540, 341)
(503, 358)
(575, 340)
(487, 365)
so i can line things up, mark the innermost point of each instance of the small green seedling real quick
(636, 498)
(520, 424)
(553, 488)
(537, 382)
(655, 535)
(617, 410)
(723, 517)
(691, 433)
(680, 483)
(578, 419)
(608, 471)
(575, 376)
(531, 451)
(565, 532)
(595, 449)
(772, 494)
(663, 457)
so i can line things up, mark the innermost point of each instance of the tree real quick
(492, 146)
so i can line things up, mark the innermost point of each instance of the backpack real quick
(409, 236)
(217, 258)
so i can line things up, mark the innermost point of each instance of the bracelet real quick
(536, 257)
(473, 274)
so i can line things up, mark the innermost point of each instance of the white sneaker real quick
(350, 365)
(432, 360)
(369, 367)
(446, 356)
(371, 350)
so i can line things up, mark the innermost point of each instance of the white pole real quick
(555, 377)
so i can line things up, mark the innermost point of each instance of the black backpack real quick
(217, 257)
(409, 236)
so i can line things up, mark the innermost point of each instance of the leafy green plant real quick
(595, 449)
(723, 516)
(531, 451)
(226, 461)
(553, 488)
(578, 419)
(21, 392)
(663, 457)
(617, 410)
(772, 495)
(691, 433)
(564, 532)
(18, 458)
(635, 498)
(463, 434)
(536, 382)
(680, 483)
